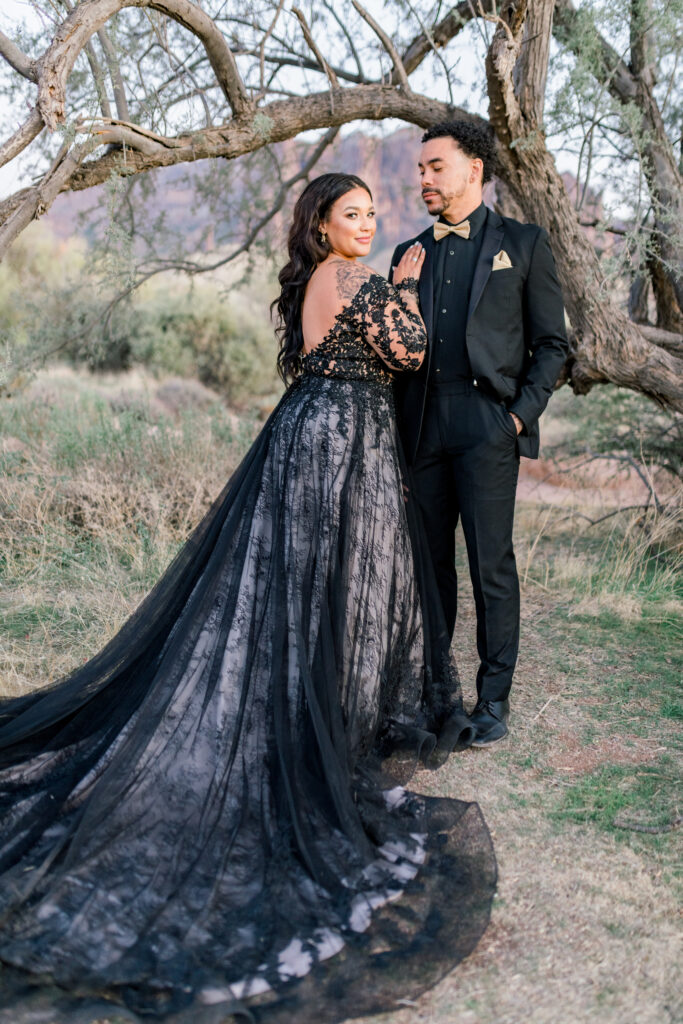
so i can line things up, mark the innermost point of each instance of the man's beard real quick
(443, 202)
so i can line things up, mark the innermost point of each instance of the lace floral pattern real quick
(374, 334)
(410, 285)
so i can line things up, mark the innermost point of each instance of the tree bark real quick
(275, 122)
(606, 345)
(634, 86)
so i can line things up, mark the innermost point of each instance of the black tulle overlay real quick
(208, 816)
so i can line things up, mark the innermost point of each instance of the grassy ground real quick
(585, 925)
(98, 486)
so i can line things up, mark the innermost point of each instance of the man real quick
(492, 306)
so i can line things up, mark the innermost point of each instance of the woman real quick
(195, 818)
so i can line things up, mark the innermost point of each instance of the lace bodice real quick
(374, 334)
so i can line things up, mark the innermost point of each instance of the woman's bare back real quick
(385, 320)
(331, 288)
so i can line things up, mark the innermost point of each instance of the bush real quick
(229, 345)
(53, 305)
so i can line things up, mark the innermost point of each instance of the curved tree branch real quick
(23, 137)
(17, 58)
(274, 122)
(55, 66)
(399, 70)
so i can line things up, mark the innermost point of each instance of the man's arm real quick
(544, 334)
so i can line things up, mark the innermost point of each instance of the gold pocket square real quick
(502, 261)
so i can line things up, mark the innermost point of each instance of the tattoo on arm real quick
(350, 276)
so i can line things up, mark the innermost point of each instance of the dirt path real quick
(584, 927)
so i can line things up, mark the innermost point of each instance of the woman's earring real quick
(323, 236)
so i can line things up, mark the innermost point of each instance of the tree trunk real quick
(638, 299)
(633, 86)
(606, 345)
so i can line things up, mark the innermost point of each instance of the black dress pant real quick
(466, 468)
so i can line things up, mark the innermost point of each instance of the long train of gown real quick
(194, 820)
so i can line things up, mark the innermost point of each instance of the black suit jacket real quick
(516, 337)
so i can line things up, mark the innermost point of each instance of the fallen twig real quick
(634, 826)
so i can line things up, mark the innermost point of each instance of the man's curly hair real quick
(475, 140)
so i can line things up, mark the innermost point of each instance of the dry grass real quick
(100, 486)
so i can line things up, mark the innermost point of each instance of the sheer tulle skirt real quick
(196, 817)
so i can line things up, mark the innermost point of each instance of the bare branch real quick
(299, 61)
(37, 201)
(262, 48)
(388, 45)
(98, 77)
(438, 36)
(313, 47)
(130, 134)
(435, 50)
(349, 38)
(275, 122)
(17, 58)
(23, 137)
(115, 74)
(125, 135)
(56, 64)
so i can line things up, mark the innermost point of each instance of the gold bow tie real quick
(441, 229)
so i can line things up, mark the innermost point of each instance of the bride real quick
(204, 820)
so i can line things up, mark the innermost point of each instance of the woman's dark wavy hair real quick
(306, 250)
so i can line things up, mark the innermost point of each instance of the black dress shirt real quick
(455, 260)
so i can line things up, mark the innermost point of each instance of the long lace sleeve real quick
(395, 331)
(365, 328)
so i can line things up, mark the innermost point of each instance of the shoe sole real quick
(488, 743)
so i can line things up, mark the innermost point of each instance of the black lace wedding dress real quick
(204, 819)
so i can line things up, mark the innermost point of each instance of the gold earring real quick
(323, 236)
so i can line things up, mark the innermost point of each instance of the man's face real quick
(446, 173)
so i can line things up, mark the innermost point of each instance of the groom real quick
(492, 306)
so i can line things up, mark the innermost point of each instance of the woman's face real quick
(350, 224)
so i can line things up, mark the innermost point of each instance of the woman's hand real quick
(410, 264)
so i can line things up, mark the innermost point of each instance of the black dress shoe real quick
(489, 719)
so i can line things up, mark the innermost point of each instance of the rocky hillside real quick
(206, 204)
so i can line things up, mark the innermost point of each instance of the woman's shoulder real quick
(347, 277)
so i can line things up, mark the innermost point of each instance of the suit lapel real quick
(490, 245)
(426, 282)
